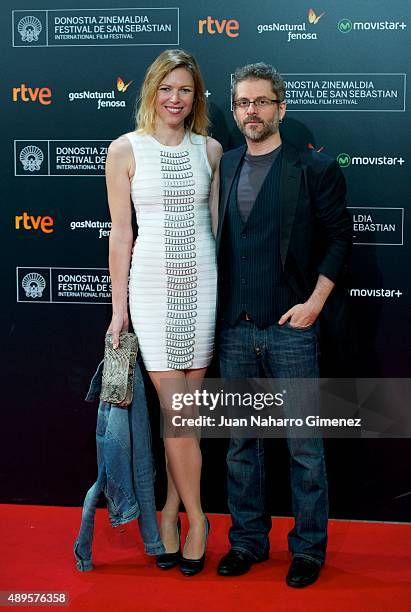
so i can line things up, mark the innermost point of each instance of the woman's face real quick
(175, 96)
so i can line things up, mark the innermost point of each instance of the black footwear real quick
(236, 563)
(190, 567)
(168, 560)
(302, 572)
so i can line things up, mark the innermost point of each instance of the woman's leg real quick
(184, 458)
(169, 513)
(195, 541)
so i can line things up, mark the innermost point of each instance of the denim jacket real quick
(125, 471)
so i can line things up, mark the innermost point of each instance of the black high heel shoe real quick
(190, 567)
(168, 560)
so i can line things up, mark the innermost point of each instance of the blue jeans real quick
(274, 352)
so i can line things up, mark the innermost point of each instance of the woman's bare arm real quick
(214, 153)
(119, 169)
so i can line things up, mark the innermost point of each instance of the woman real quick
(169, 167)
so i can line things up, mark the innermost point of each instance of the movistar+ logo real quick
(345, 25)
(346, 160)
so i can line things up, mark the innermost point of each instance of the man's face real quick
(257, 123)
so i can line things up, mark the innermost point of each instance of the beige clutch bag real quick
(118, 369)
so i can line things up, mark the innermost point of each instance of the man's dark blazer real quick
(315, 227)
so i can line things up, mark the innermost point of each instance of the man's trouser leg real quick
(245, 459)
(293, 353)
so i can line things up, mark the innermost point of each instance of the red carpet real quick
(368, 568)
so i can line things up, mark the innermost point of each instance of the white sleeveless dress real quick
(173, 279)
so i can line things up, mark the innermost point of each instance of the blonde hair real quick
(168, 60)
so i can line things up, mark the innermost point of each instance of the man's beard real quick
(269, 128)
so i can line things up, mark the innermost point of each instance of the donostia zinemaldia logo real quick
(344, 159)
(33, 285)
(29, 28)
(344, 25)
(31, 158)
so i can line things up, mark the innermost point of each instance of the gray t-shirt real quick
(252, 175)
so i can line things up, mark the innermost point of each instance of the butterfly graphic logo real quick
(311, 146)
(313, 17)
(121, 86)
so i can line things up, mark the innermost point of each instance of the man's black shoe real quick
(302, 572)
(236, 563)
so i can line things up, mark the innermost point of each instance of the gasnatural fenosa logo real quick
(104, 99)
(312, 17)
(295, 31)
(121, 86)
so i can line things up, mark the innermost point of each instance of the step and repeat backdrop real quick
(70, 82)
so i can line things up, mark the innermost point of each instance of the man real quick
(283, 240)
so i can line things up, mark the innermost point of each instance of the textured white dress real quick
(173, 279)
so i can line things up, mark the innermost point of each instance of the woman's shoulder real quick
(211, 143)
(120, 145)
(123, 145)
(213, 146)
(120, 152)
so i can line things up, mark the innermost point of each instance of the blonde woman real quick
(169, 169)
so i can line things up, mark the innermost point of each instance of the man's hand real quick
(301, 315)
(304, 315)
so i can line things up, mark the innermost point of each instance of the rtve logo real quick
(30, 222)
(229, 27)
(32, 94)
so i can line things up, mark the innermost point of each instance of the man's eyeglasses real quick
(244, 103)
